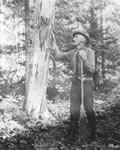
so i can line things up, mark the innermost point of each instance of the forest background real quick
(101, 20)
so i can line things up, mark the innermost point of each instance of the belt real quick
(83, 78)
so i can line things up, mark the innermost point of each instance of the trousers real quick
(75, 101)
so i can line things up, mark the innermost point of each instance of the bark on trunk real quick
(39, 59)
(27, 46)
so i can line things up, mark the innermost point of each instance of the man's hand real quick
(90, 67)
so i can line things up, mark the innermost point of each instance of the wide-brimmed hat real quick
(82, 33)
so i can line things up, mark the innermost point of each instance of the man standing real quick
(82, 52)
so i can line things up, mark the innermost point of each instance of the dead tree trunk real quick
(27, 45)
(39, 59)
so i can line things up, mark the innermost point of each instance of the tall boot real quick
(92, 124)
(73, 130)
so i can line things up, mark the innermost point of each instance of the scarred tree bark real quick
(39, 59)
(27, 44)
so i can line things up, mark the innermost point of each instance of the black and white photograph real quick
(59, 74)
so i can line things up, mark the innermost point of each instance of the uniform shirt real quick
(73, 57)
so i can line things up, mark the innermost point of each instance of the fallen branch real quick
(38, 147)
(114, 140)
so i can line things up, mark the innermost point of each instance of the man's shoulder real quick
(70, 51)
(68, 55)
(90, 50)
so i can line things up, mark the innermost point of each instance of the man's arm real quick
(89, 59)
(62, 55)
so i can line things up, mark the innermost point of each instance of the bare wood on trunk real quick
(39, 59)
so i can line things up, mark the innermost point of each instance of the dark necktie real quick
(78, 66)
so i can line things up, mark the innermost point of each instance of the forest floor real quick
(18, 132)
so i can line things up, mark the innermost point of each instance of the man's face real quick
(78, 39)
